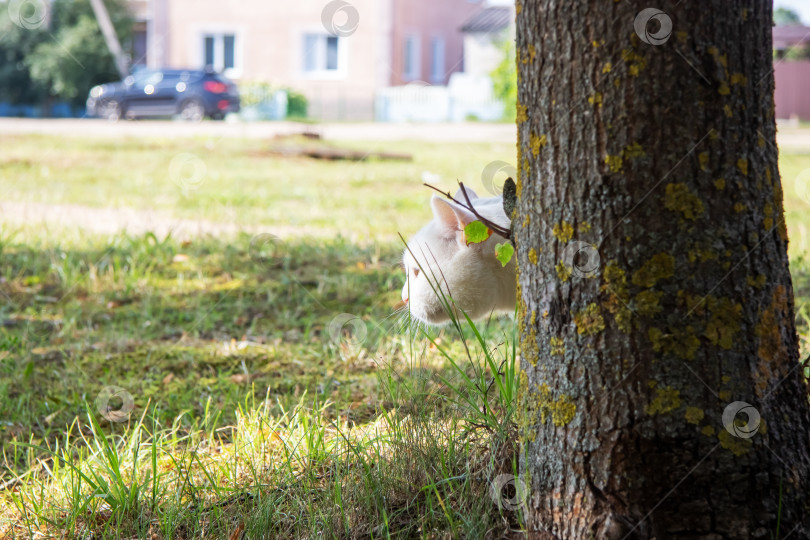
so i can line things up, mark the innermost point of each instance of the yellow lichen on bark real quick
(634, 151)
(768, 220)
(679, 198)
(532, 52)
(681, 342)
(647, 302)
(772, 351)
(725, 321)
(615, 287)
(694, 415)
(522, 114)
(564, 272)
(703, 160)
(614, 163)
(536, 143)
(557, 345)
(589, 321)
(563, 231)
(561, 410)
(658, 267)
(666, 399)
(737, 445)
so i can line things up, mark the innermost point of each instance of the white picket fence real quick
(465, 97)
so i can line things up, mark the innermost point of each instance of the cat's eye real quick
(415, 272)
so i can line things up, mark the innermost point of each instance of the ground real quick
(245, 301)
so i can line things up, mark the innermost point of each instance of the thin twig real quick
(506, 233)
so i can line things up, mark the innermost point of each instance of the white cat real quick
(471, 275)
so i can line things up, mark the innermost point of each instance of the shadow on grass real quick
(364, 430)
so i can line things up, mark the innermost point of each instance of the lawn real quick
(274, 390)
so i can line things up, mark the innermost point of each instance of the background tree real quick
(62, 58)
(785, 17)
(77, 58)
(16, 43)
(504, 77)
(654, 282)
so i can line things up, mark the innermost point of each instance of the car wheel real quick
(111, 111)
(192, 111)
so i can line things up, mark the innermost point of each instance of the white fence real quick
(466, 97)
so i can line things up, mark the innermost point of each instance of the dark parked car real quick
(191, 94)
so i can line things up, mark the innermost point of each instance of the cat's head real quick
(437, 259)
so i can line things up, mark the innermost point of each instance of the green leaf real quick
(504, 252)
(476, 232)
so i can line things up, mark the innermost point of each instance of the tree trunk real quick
(654, 285)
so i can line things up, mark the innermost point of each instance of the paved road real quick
(444, 132)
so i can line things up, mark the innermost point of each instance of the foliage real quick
(476, 232)
(799, 52)
(504, 78)
(255, 93)
(785, 17)
(63, 59)
(504, 252)
(16, 43)
(297, 104)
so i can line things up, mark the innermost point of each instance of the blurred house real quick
(483, 33)
(459, 95)
(337, 53)
(141, 13)
(791, 71)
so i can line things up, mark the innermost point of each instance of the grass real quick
(241, 181)
(273, 390)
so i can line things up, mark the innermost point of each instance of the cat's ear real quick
(460, 194)
(450, 215)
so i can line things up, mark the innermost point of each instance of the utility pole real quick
(107, 28)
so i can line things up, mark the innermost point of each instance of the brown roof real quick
(489, 19)
(785, 37)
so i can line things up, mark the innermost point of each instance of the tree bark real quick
(653, 273)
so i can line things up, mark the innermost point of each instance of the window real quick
(209, 50)
(322, 54)
(220, 52)
(139, 48)
(228, 49)
(146, 76)
(410, 60)
(437, 60)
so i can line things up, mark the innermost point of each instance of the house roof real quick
(489, 19)
(785, 37)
